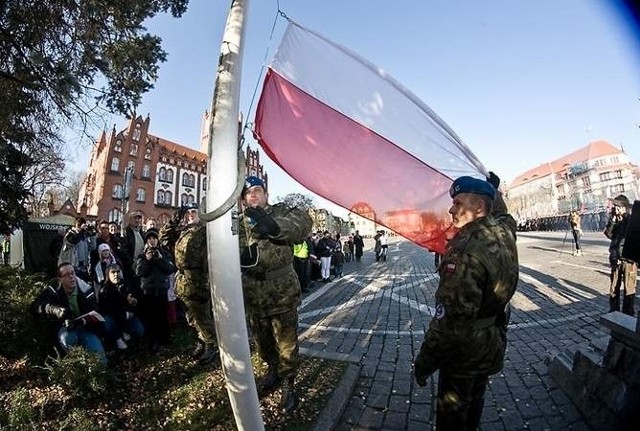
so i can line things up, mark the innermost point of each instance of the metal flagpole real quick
(223, 250)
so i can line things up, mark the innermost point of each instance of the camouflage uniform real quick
(466, 339)
(189, 245)
(271, 287)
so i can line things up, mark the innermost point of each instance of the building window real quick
(140, 195)
(131, 164)
(187, 199)
(204, 183)
(586, 182)
(147, 153)
(115, 164)
(185, 179)
(118, 147)
(136, 133)
(617, 174)
(146, 171)
(170, 175)
(164, 198)
(614, 160)
(605, 176)
(134, 150)
(115, 215)
(618, 188)
(162, 174)
(117, 191)
(192, 181)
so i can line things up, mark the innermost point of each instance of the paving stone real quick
(395, 421)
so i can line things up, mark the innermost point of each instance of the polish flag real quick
(349, 132)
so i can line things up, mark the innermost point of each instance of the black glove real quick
(249, 255)
(69, 324)
(494, 180)
(265, 225)
(422, 369)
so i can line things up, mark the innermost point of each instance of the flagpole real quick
(222, 243)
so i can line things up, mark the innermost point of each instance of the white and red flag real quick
(352, 134)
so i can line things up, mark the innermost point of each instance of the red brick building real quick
(164, 176)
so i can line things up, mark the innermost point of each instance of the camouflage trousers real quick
(277, 339)
(460, 402)
(197, 301)
(623, 273)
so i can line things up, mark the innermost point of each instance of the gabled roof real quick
(591, 151)
(181, 150)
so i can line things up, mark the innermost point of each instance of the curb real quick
(330, 415)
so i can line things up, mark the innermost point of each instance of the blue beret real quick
(472, 185)
(252, 181)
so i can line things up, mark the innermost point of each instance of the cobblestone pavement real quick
(377, 313)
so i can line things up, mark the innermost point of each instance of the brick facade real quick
(165, 174)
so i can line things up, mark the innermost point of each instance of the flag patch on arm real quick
(450, 268)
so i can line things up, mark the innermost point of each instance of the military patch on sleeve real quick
(440, 311)
(450, 268)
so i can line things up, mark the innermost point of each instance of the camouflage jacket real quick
(478, 277)
(269, 282)
(188, 244)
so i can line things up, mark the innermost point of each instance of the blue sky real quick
(520, 82)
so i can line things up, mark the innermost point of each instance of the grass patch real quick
(138, 391)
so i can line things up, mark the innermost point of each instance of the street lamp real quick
(126, 190)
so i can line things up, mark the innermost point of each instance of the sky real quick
(520, 82)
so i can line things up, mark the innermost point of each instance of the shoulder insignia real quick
(450, 268)
(440, 311)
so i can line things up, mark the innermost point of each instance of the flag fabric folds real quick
(350, 133)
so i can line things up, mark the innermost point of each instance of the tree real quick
(297, 200)
(63, 63)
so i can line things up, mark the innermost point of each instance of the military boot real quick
(210, 355)
(268, 383)
(627, 304)
(289, 399)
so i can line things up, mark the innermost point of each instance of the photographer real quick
(77, 245)
(153, 267)
(623, 272)
(576, 230)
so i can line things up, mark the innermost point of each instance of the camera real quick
(153, 251)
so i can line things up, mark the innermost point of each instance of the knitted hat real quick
(151, 232)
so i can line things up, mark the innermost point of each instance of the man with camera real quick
(186, 235)
(154, 266)
(77, 245)
(623, 271)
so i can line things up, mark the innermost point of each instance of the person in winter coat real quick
(65, 303)
(154, 266)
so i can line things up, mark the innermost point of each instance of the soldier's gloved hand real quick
(249, 256)
(494, 180)
(265, 224)
(69, 324)
(422, 369)
(63, 313)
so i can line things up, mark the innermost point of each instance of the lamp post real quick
(126, 190)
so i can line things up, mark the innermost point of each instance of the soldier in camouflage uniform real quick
(270, 284)
(466, 339)
(189, 246)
